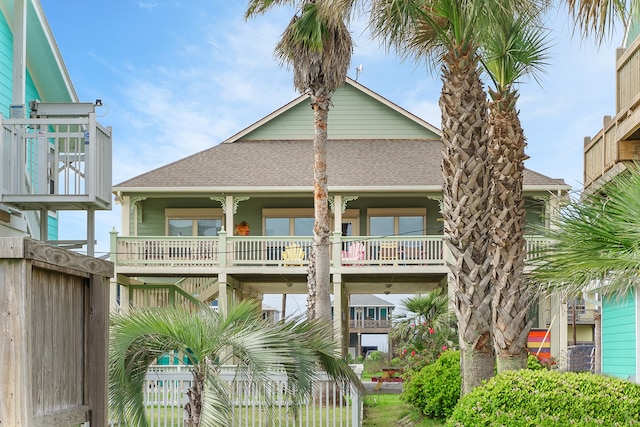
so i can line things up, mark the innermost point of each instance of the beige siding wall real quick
(354, 115)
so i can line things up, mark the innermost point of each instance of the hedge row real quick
(545, 398)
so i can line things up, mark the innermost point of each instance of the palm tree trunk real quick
(321, 100)
(466, 172)
(511, 297)
(193, 408)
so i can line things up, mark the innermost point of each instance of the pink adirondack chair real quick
(355, 252)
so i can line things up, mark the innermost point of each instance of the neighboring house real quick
(268, 313)
(180, 239)
(27, 39)
(47, 137)
(368, 314)
(607, 155)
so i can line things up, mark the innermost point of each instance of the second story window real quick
(193, 222)
(288, 222)
(403, 222)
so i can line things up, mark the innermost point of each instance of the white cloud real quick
(147, 5)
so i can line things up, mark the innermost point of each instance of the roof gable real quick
(403, 155)
(356, 113)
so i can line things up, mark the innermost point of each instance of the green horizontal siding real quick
(154, 221)
(6, 71)
(619, 336)
(6, 66)
(354, 115)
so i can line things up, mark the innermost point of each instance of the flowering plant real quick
(425, 345)
(242, 229)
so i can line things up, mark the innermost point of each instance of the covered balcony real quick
(160, 255)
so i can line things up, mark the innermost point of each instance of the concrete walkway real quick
(385, 388)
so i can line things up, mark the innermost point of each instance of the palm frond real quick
(513, 48)
(596, 240)
(217, 408)
(598, 17)
(318, 48)
(259, 7)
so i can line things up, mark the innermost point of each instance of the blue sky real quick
(177, 77)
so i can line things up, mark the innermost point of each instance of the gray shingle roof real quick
(361, 163)
(364, 300)
(367, 300)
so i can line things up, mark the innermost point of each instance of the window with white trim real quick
(193, 222)
(397, 222)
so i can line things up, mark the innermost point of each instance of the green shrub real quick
(533, 363)
(435, 389)
(375, 361)
(543, 398)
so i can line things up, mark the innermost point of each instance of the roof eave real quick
(279, 189)
(562, 188)
(305, 189)
(64, 86)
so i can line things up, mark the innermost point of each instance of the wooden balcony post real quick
(113, 246)
(336, 255)
(222, 248)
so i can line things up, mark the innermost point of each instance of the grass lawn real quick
(366, 376)
(384, 410)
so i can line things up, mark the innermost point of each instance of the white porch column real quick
(340, 314)
(228, 214)
(225, 294)
(558, 330)
(337, 213)
(125, 214)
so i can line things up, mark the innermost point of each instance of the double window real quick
(193, 222)
(294, 226)
(299, 222)
(288, 222)
(397, 222)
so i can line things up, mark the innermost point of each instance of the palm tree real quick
(318, 45)
(210, 340)
(596, 240)
(430, 310)
(514, 47)
(426, 325)
(447, 33)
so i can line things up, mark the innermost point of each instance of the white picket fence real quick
(332, 404)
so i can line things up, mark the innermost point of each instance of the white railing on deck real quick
(269, 251)
(332, 404)
(535, 245)
(381, 251)
(58, 158)
(168, 250)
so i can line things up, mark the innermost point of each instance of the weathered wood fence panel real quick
(54, 318)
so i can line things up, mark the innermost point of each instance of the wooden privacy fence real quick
(54, 318)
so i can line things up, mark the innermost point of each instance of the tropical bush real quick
(435, 389)
(540, 362)
(545, 398)
(210, 339)
(424, 331)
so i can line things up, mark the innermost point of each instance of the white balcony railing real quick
(234, 251)
(55, 163)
